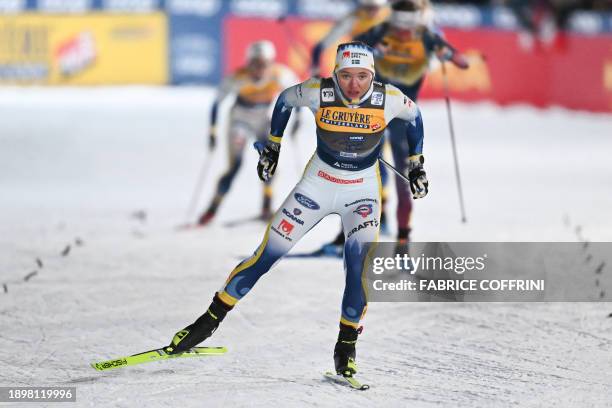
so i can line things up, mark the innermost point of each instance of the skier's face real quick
(258, 68)
(354, 82)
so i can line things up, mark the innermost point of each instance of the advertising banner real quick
(504, 72)
(293, 38)
(195, 40)
(83, 49)
(500, 71)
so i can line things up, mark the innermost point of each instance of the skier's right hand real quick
(268, 159)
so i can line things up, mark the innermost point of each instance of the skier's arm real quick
(287, 79)
(399, 106)
(434, 40)
(304, 94)
(227, 86)
(342, 28)
(373, 37)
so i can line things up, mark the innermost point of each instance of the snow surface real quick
(78, 165)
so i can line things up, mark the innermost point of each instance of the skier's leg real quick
(223, 186)
(238, 136)
(287, 227)
(361, 220)
(298, 214)
(266, 205)
(201, 329)
(384, 178)
(400, 149)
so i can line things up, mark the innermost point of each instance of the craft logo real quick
(306, 202)
(337, 180)
(363, 225)
(347, 119)
(285, 226)
(364, 210)
(328, 94)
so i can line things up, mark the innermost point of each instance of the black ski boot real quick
(344, 352)
(201, 329)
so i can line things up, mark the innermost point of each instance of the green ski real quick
(156, 355)
(346, 380)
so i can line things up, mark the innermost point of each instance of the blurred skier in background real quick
(351, 112)
(368, 14)
(256, 86)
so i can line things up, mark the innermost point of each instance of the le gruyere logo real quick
(347, 119)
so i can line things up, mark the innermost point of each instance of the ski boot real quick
(403, 239)
(206, 218)
(344, 352)
(201, 329)
(209, 214)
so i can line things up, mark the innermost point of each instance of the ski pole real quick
(453, 143)
(198, 187)
(396, 171)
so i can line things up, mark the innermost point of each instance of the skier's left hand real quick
(445, 53)
(268, 159)
(419, 185)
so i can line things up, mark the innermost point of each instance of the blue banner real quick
(196, 29)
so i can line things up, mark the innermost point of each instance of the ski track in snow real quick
(75, 164)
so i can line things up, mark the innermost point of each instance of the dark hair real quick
(405, 5)
(357, 43)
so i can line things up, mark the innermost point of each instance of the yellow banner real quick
(90, 49)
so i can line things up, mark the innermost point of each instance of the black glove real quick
(268, 159)
(212, 142)
(417, 176)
